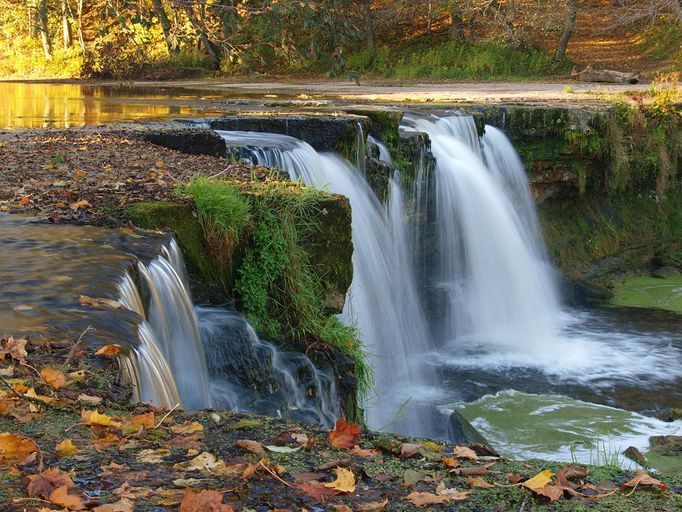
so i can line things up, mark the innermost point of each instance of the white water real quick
(384, 153)
(382, 300)
(498, 289)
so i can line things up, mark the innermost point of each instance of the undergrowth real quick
(280, 293)
(456, 60)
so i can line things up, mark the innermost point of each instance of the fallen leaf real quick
(150, 456)
(462, 452)
(426, 498)
(204, 501)
(89, 399)
(477, 481)
(284, 449)
(371, 506)
(66, 448)
(124, 505)
(318, 491)
(361, 452)
(251, 446)
(15, 348)
(130, 492)
(450, 462)
(79, 205)
(45, 483)
(564, 476)
(641, 478)
(189, 427)
(472, 470)
(84, 300)
(539, 481)
(342, 507)
(407, 450)
(553, 492)
(110, 350)
(60, 496)
(345, 481)
(15, 449)
(411, 477)
(53, 377)
(145, 420)
(95, 418)
(344, 434)
(7, 372)
(306, 477)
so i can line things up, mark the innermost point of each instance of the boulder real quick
(666, 445)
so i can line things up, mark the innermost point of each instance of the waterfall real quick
(384, 153)
(382, 301)
(252, 375)
(168, 367)
(491, 269)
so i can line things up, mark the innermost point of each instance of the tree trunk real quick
(571, 15)
(369, 29)
(67, 37)
(165, 25)
(429, 17)
(592, 74)
(41, 22)
(79, 28)
(457, 27)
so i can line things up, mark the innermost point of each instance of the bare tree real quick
(569, 26)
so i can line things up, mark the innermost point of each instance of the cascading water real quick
(383, 299)
(199, 357)
(497, 287)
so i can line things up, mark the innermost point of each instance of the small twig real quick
(219, 173)
(72, 350)
(32, 400)
(20, 500)
(275, 475)
(523, 505)
(166, 415)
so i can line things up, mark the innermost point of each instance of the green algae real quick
(649, 292)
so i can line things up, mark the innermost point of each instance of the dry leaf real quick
(344, 434)
(15, 449)
(472, 471)
(345, 481)
(150, 456)
(53, 377)
(361, 452)
(89, 399)
(450, 462)
(99, 303)
(426, 498)
(60, 496)
(45, 483)
(477, 481)
(539, 481)
(463, 452)
(15, 348)
(553, 492)
(110, 350)
(189, 427)
(251, 446)
(641, 478)
(79, 205)
(204, 501)
(95, 418)
(120, 506)
(372, 506)
(407, 450)
(66, 448)
(145, 420)
(318, 491)
(132, 493)
(564, 476)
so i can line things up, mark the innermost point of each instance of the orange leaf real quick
(110, 350)
(99, 303)
(79, 205)
(66, 448)
(60, 496)
(53, 377)
(251, 446)
(463, 452)
(204, 501)
(344, 435)
(124, 505)
(15, 449)
(145, 420)
(317, 490)
(426, 498)
(45, 483)
(641, 478)
(478, 481)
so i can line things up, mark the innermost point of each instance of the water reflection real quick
(43, 105)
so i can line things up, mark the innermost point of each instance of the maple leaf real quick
(53, 377)
(66, 448)
(15, 449)
(564, 476)
(450, 462)
(317, 490)
(344, 434)
(60, 496)
(539, 481)
(251, 446)
(204, 501)
(361, 452)
(642, 478)
(79, 205)
(345, 481)
(45, 483)
(145, 420)
(124, 505)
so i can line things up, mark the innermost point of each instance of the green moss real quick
(649, 292)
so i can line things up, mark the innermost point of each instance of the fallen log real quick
(592, 74)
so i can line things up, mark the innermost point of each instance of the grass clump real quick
(279, 291)
(457, 60)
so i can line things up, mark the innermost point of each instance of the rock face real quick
(194, 141)
(666, 445)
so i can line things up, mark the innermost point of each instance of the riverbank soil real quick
(68, 441)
